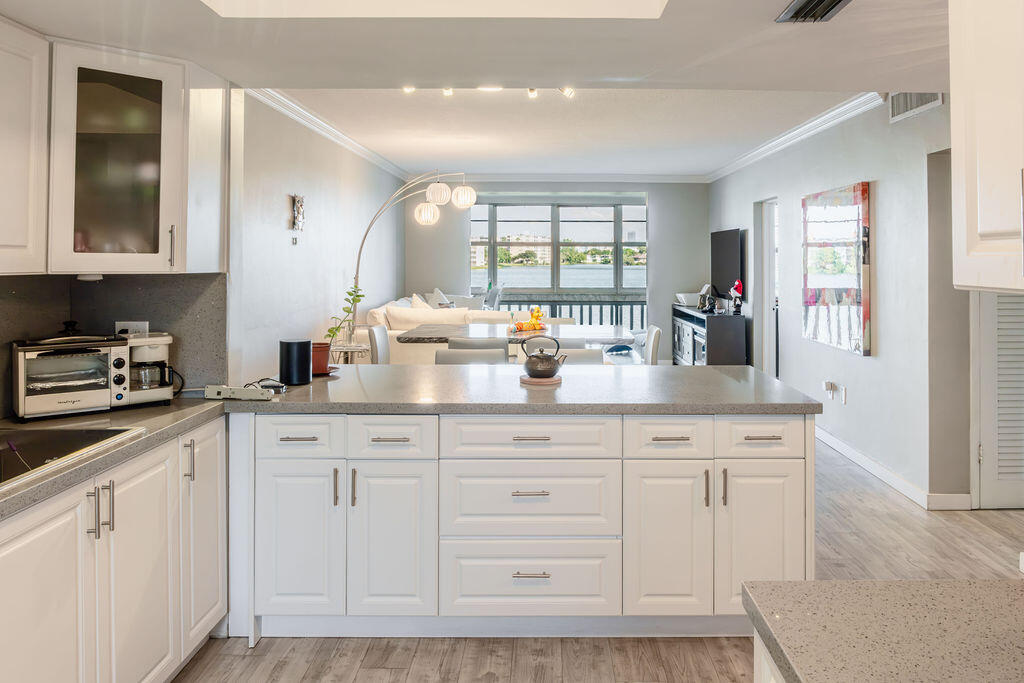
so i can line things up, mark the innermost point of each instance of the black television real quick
(727, 260)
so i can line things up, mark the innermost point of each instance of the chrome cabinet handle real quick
(518, 494)
(335, 487)
(109, 486)
(707, 488)
(670, 438)
(191, 474)
(725, 486)
(531, 575)
(353, 487)
(170, 259)
(95, 495)
(531, 438)
(390, 439)
(762, 437)
(298, 439)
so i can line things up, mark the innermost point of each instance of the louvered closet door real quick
(1002, 401)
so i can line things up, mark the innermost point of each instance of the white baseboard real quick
(509, 627)
(929, 501)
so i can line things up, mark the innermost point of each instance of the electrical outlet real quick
(842, 395)
(829, 387)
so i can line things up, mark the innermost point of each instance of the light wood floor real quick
(865, 530)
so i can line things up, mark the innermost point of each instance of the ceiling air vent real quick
(903, 105)
(811, 10)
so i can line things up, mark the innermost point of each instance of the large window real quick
(559, 248)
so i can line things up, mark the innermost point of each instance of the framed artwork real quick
(837, 266)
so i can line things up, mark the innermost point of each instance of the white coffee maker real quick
(150, 376)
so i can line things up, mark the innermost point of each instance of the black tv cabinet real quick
(707, 338)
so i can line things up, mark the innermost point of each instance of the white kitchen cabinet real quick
(532, 436)
(117, 168)
(48, 570)
(392, 537)
(531, 577)
(759, 526)
(24, 98)
(300, 544)
(138, 594)
(668, 545)
(986, 51)
(204, 562)
(203, 242)
(765, 669)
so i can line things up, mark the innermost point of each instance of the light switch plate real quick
(131, 327)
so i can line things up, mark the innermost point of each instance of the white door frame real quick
(764, 318)
(975, 432)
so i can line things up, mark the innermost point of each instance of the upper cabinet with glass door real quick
(117, 166)
(986, 70)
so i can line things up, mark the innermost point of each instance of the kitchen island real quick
(809, 631)
(626, 501)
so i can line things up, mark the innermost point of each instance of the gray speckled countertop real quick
(160, 424)
(891, 630)
(495, 389)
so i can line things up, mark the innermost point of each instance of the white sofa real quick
(407, 317)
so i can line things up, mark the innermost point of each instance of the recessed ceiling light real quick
(409, 89)
(532, 93)
(489, 88)
(568, 92)
(447, 92)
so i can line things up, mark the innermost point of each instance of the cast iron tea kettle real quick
(541, 364)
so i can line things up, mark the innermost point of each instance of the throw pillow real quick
(436, 298)
(408, 318)
(418, 302)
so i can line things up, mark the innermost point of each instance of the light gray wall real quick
(886, 416)
(677, 243)
(949, 344)
(280, 291)
(437, 255)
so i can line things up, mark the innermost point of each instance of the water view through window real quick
(602, 248)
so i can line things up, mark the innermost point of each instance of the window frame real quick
(617, 246)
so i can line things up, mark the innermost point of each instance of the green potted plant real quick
(342, 330)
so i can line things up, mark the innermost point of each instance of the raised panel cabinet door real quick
(668, 519)
(759, 526)
(138, 595)
(300, 537)
(392, 537)
(48, 571)
(987, 135)
(204, 560)
(117, 169)
(24, 98)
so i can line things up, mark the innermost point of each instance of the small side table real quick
(345, 354)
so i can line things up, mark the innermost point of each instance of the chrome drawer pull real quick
(759, 437)
(531, 493)
(390, 439)
(95, 495)
(529, 575)
(725, 486)
(531, 438)
(335, 487)
(191, 474)
(707, 488)
(290, 439)
(670, 438)
(109, 486)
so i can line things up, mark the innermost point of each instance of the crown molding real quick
(834, 116)
(295, 111)
(582, 178)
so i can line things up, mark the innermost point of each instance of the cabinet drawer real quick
(761, 436)
(531, 497)
(392, 436)
(300, 436)
(530, 578)
(531, 437)
(668, 436)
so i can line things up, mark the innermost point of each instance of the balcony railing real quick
(627, 310)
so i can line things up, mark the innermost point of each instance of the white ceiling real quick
(872, 45)
(599, 132)
(549, 9)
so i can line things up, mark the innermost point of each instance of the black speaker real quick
(296, 361)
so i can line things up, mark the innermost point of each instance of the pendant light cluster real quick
(438, 194)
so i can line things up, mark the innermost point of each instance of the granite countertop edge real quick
(284, 406)
(771, 643)
(48, 485)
